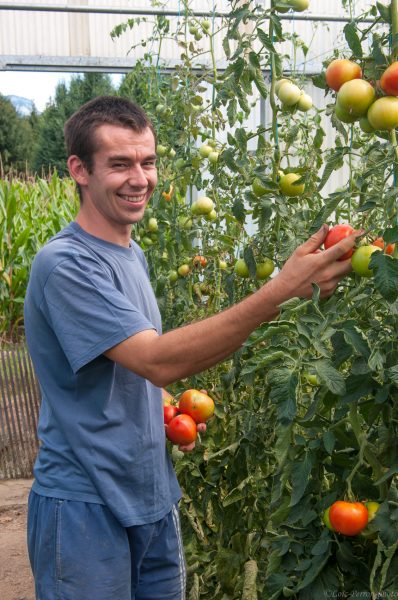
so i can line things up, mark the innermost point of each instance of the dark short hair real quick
(80, 128)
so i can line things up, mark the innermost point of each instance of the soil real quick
(16, 581)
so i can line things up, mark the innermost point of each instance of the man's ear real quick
(77, 169)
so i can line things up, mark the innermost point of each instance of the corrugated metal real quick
(75, 34)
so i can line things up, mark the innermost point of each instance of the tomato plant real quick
(348, 518)
(197, 405)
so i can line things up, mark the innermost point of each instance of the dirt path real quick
(16, 582)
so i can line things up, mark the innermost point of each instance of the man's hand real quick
(201, 427)
(307, 266)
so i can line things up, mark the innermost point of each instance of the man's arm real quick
(195, 347)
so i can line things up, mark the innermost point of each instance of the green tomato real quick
(206, 25)
(311, 378)
(326, 519)
(183, 270)
(305, 102)
(265, 268)
(173, 276)
(372, 507)
(365, 125)
(241, 268)
(185, 222)
(361, 258)
(179, 163)
(153, 226)
(289, 187)
(343, 115)
(211, 216)
(205, 150)
(147, 241)
(213, 157)
(289, 93)
(161, 150)
(202, 206)
(356, 96)
(222, 264)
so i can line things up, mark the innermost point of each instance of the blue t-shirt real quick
(101, 426)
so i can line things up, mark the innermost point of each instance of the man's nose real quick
(137, 176)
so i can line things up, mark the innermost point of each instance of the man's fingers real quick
(337, 251)
(314, 242)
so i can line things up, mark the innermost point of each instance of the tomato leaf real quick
(354, 337)
(284, 383)
(329, 441)
(386, 275)
(301, 471)
(385, 11)
(332, 378)
(350, 32)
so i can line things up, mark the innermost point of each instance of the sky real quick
(39, 87)
(34, 85)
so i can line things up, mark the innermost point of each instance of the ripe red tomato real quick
(336, 234)
(197, 405)
(389, 80)
(181, 430)
(389, 249)
(348, 518)
(341, 70)
(169, 412)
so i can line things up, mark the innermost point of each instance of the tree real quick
(16, 137)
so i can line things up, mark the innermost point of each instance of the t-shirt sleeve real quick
(87, 312)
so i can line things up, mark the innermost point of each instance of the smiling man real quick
(103, 518)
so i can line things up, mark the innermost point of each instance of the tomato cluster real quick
(193, 407)
(361, 256)
(359, 100)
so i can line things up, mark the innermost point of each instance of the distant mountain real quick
(23, 106)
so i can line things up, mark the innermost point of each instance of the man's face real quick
(123, 176)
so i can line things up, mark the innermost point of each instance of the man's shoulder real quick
(65, 245)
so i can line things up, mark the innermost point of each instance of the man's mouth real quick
(133, 199)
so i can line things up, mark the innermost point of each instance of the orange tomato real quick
(199, 261)
(389, 249)
(197, 405)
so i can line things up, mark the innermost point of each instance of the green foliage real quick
(16, 138)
